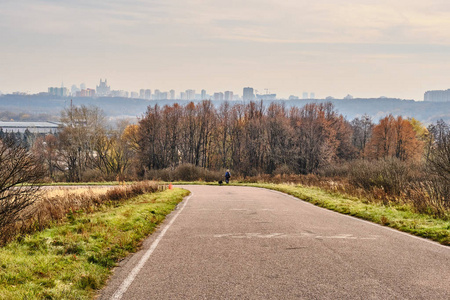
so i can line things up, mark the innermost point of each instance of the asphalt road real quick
(246, 243)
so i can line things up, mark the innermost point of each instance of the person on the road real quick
(227, 176)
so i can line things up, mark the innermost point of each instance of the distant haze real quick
(366, 48)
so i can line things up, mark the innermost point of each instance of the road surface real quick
(229, 242)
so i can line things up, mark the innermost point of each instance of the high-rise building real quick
(305, 95)
(60, 92)
(86, 93)
(172, 94)
(190, 94)
(228, 95)
(218, 96)
(148, 94)
(164, 96)
(437, 96)
(312, 95)
(248, 94)
(103, 89)
(142, 93)
(73, 90)
(157, 95)
(134, 95)
(203, 95)
(183, 96)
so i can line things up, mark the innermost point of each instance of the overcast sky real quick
(395, 48)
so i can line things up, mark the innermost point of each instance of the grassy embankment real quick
(398, 216)
(74, 259)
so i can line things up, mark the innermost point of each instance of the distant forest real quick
(42, 108)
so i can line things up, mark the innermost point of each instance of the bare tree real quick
(82, 128)
(19, 173)
(362, 132)
(45, 148)
(439, 157)
(315, 138)
(223, 135)
(279, 138)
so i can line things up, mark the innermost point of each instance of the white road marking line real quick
(127, 282)
(276, 235)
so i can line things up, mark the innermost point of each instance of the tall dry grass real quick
(55, 205)
(385, 181)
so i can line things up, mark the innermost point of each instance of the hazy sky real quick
(396, 48)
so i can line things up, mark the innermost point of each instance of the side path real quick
(249, 243)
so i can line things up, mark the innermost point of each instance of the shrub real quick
(185, 172)
(283, 170)
(391, 174)
(188, 172)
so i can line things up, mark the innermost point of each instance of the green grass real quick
(400, 217)
(73, 260)
(397, 216)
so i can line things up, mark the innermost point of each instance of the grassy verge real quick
(73, 260)
(400, 217)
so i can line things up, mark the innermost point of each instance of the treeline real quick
(9, 116)
(253, 139)
(395, 157)
(250, 139)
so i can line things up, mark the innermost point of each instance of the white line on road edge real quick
(127, 282)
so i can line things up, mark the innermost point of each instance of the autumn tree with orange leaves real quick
(394, 137)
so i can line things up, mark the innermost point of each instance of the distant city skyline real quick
(248, 94)
(367, 49)
(123, 92)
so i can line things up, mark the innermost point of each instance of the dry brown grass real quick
(59, 204)
(67, 191)
(419, 195)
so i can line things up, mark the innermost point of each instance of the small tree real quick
(81, 128)
(438, 161)
(19, 173)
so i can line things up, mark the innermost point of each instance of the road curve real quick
(249, 243)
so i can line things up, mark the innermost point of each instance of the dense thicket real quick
(253, 139)
(250, 138)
